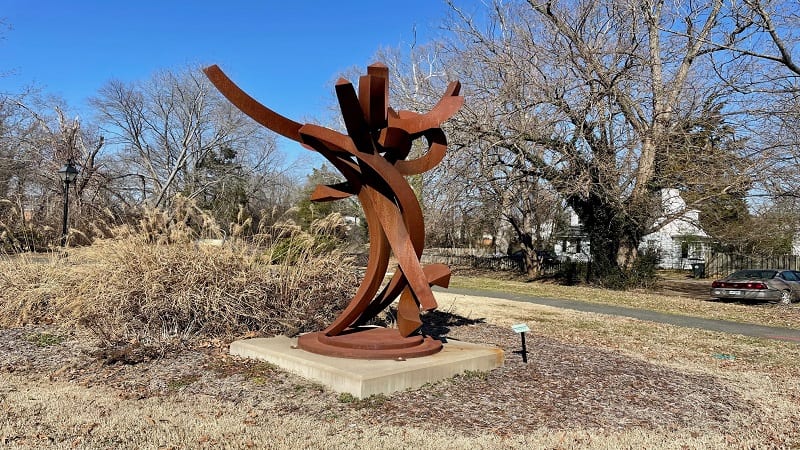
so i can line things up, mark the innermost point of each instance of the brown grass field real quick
(593, 381)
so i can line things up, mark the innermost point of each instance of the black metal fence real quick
(714, 265)
(514, 263)
(722, 264)
(507, 263)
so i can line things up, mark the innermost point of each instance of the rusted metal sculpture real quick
(372, 158)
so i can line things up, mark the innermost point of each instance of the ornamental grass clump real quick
(139, 288)
(32, 288)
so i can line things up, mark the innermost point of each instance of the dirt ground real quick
(682, 284)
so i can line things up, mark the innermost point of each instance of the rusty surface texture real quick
(372, 157)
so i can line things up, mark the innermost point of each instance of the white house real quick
(679, 240)
(574, 244)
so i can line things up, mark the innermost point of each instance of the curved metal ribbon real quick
(372, 158)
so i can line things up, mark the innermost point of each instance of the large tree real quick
(589, 97)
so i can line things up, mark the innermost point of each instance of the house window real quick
(684, 249)
(577, 245)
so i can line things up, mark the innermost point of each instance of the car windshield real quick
(752, 274)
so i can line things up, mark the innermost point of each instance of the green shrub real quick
(641, 274)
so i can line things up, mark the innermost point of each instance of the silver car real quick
(759, 284)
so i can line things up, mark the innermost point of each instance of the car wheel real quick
(786, 297)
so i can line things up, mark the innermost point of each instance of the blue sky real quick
(286, 54)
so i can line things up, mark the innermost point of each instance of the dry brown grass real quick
(136, 289)
(662, 344)
(761, 371)
(239, 404)
(63, 415)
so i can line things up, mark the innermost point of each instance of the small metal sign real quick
(520, 328)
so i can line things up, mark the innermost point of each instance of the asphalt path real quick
(724, 326)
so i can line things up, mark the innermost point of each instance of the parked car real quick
(759, 284)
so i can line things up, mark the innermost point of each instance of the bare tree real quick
(36, 139)
(762, 36)
(469, 198)
(175, 134)
(590, 97)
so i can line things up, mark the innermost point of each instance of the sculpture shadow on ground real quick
(437, 323)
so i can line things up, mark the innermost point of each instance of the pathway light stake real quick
(522, 329)
(68, 174)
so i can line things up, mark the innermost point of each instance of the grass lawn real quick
(761, 314)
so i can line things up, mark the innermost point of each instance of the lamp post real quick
(68, 174)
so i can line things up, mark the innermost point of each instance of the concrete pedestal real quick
(365, 377)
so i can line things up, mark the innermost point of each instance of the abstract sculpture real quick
(372, 158)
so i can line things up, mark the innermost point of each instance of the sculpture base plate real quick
(363, 377)
(369, 343)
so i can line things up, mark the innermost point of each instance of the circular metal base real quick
(369, 343)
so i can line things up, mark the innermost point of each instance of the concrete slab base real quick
(365, 377)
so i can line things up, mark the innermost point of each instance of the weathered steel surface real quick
(372, 158)
(370, 343)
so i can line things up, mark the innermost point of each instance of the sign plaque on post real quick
(522, 328)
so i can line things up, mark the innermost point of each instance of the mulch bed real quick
(563, 386)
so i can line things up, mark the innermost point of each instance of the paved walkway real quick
(725, 326)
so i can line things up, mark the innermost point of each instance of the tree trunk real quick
(613, 241)
(533, 267)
